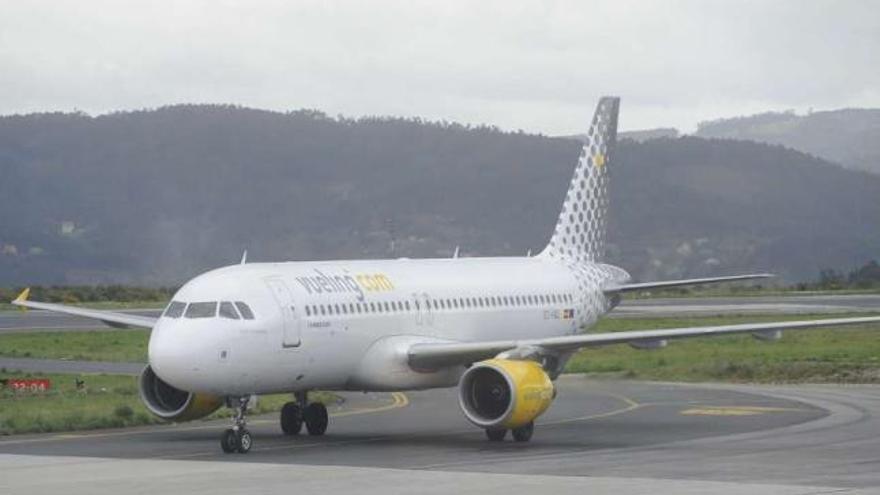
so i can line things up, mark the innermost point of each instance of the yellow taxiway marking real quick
(733, 410)
(631, 405)
(399, 400)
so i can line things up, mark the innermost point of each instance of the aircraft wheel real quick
(291, 419)
(315, 416)
(229, 441)
(245, 442)
(496, 434)
(524, 433)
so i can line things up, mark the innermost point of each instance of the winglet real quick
(23, 296)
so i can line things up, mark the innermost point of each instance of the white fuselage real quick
(348, 324)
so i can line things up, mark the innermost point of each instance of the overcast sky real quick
(537, 66)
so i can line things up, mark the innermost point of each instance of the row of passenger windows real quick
(452, 303)
(225, 309)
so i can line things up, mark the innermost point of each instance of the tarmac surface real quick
(600, 436)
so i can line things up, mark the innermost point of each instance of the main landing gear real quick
(238, 438)
(521, 434)
(313, 414)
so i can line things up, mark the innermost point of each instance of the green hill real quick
(154, 197)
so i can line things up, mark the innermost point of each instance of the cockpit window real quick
(227, 310)
(245, 310)
(201, 310)
(175, 309)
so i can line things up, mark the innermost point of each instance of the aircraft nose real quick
(173, 357)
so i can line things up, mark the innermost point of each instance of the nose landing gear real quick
(313, 414)
(238, 438)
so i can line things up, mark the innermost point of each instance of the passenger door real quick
(290, 322)
(424, 309)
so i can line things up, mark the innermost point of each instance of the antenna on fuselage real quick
(244, 257)
(455, 254)
(529, 253)
(389, 223)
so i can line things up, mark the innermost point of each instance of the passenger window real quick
(387, 308)
(201, 310)
(245, 310)
(227, 310)
(406, 305)
(175, 309)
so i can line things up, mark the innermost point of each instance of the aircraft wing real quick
(430, 356)
(118, 320)
(679, 283)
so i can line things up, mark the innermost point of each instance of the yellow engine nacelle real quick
(502, 393)
(173, 404)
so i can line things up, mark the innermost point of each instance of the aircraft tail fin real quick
(580, 231)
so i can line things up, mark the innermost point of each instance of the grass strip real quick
(105, 401)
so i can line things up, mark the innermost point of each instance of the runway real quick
(695, 306)
(599, 437)
(41, 321)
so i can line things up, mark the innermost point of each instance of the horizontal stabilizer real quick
(683, 282)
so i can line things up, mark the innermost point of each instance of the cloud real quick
(538, 66)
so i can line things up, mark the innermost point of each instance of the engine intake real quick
(502, 393)
(172, 404)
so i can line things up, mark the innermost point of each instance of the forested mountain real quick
(158, 196)
(850, 137)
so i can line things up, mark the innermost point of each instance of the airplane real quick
(501, 329)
